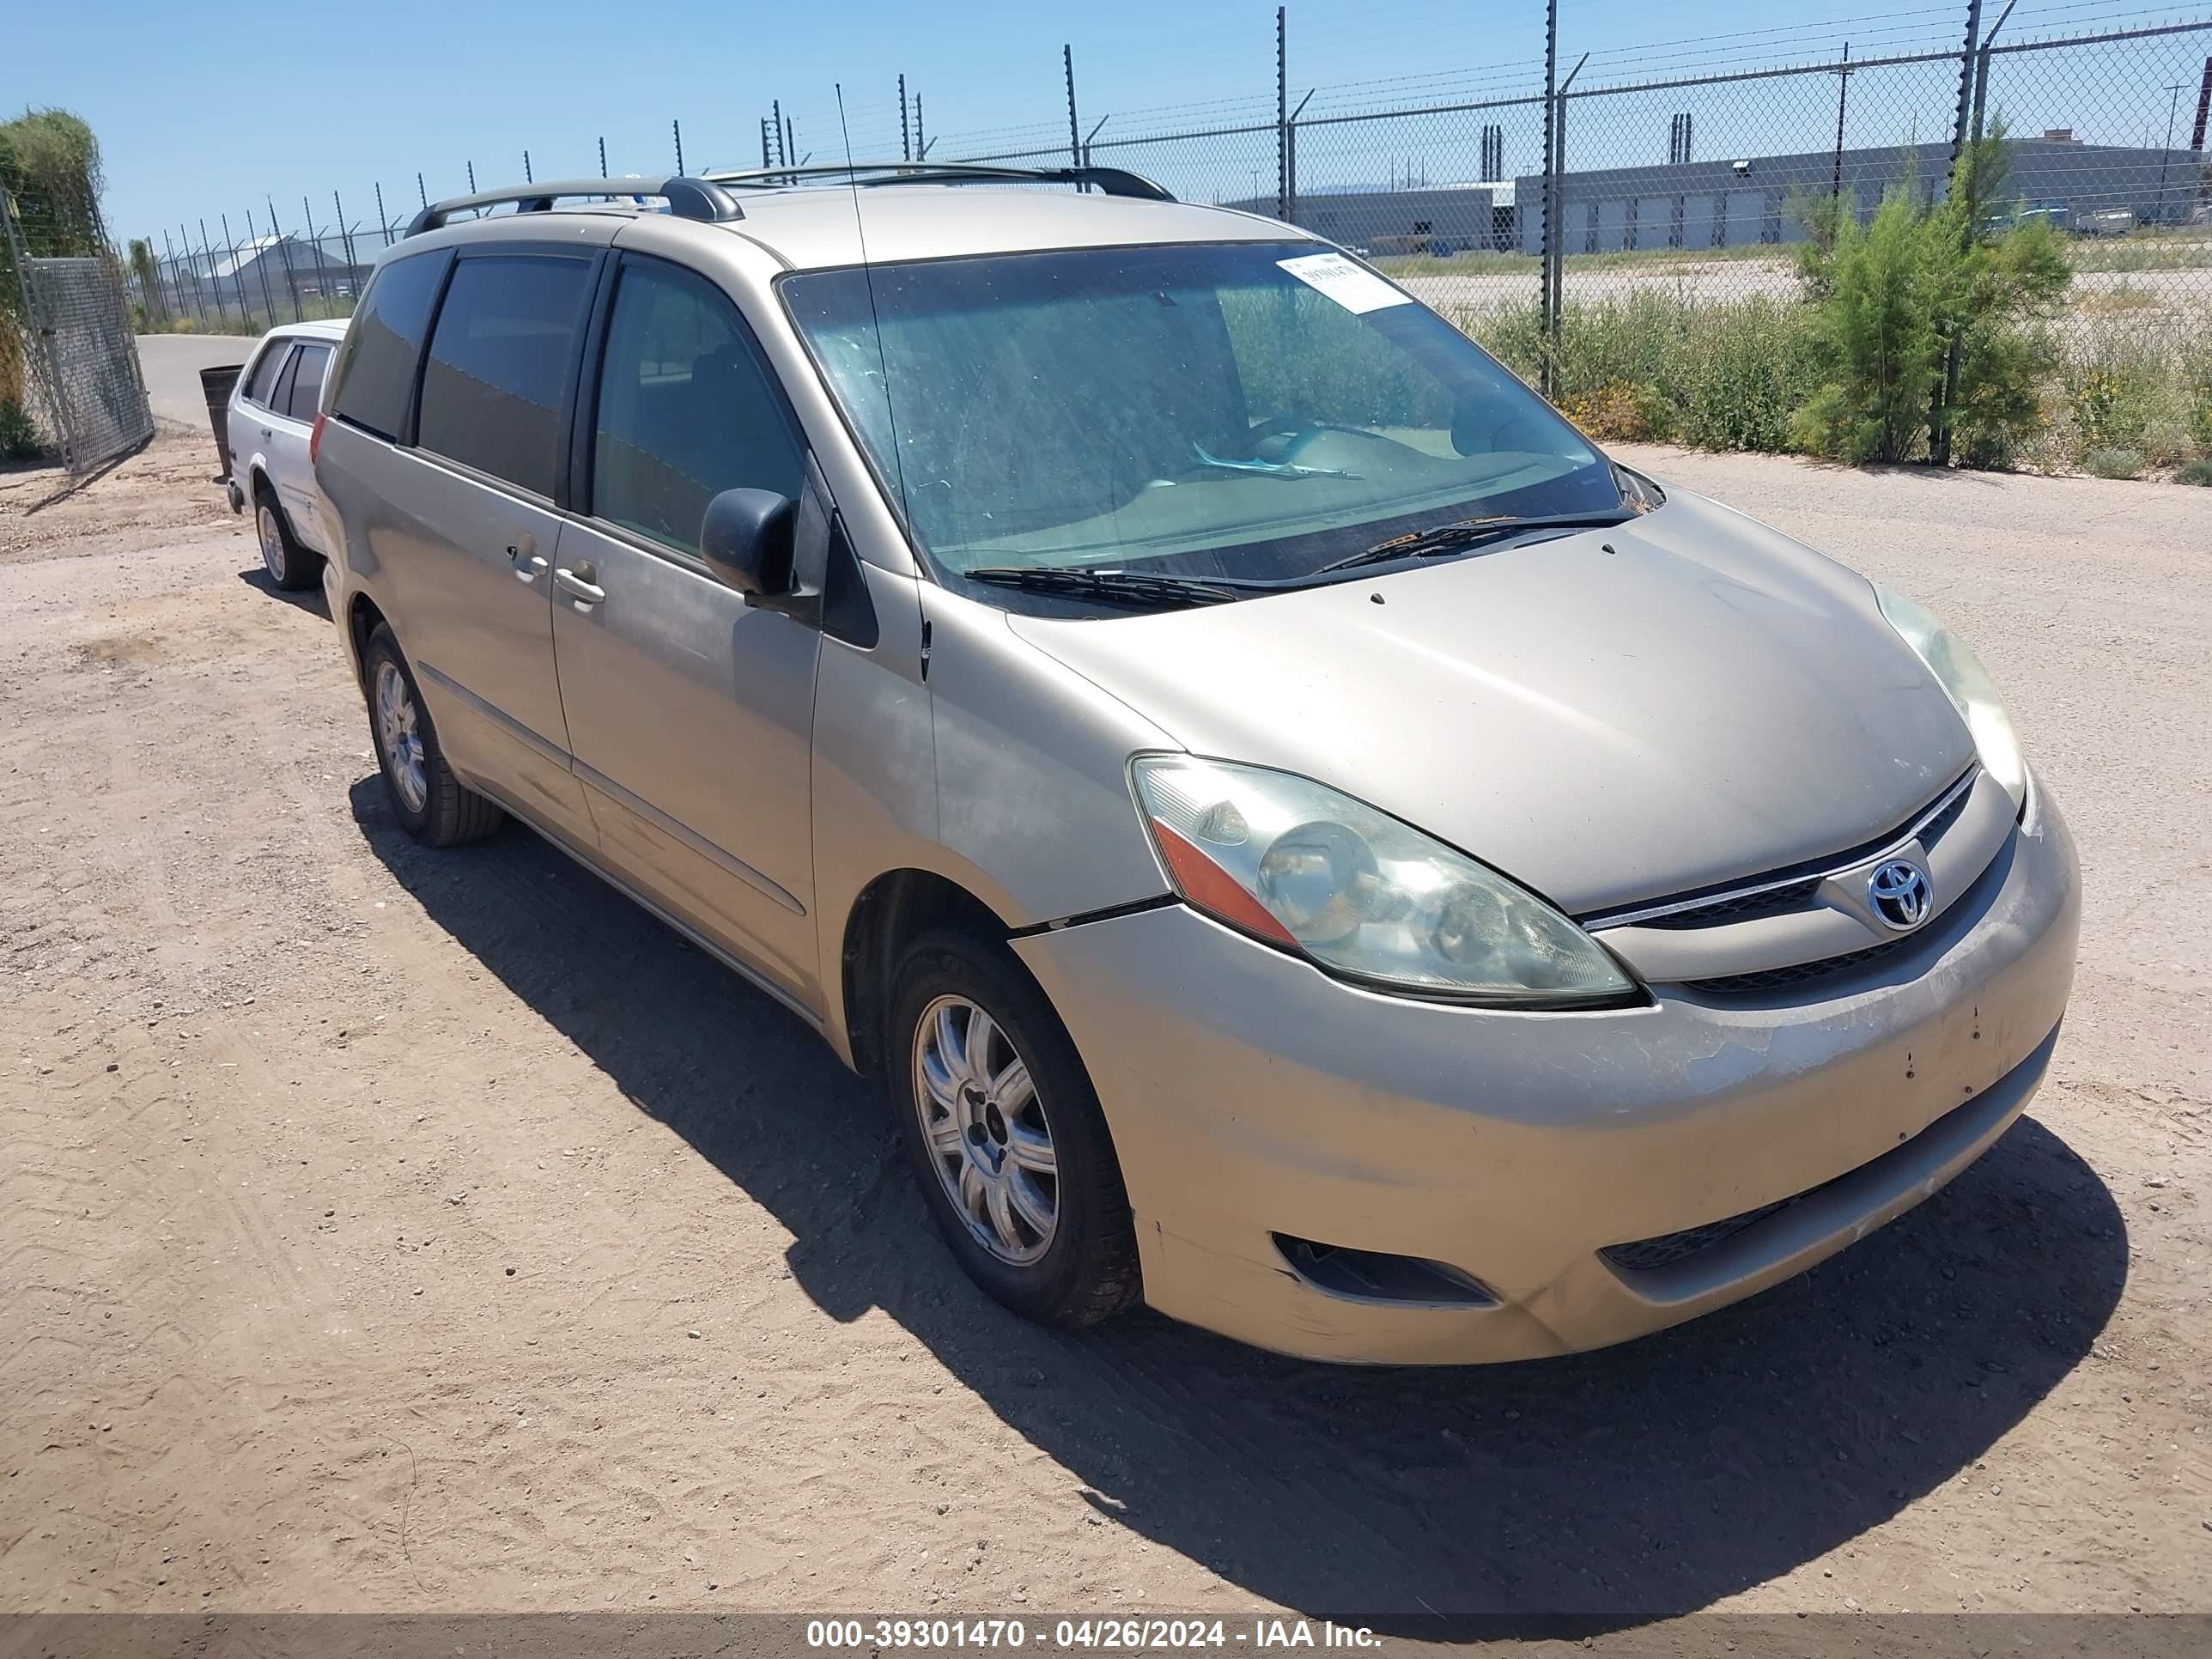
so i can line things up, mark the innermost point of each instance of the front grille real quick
(1743, 907)
(1799, 973)
(1781, 893)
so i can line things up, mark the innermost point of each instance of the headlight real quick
(1362, 894)
(1967, 684)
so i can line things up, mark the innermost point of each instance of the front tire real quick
(289, 565)
(1005, 1135)
(436, 807)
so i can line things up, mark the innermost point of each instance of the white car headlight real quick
(1362, 894)
(1967, 684)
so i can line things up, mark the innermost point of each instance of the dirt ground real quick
(388, 1229)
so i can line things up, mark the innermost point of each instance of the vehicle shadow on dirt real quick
(1604, 1488)
(309, 599)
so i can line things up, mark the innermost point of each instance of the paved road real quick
(172, 364)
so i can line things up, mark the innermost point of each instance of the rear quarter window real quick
(376, 367)
(261, 387)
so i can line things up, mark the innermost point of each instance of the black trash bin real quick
(217, 384)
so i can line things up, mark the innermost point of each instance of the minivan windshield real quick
(1247, 410)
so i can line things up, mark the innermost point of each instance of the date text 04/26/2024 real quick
(1111, 1635)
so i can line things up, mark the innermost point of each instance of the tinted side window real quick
(498, 368)
(686, 408)
(376, 370)
(263, 386)
(307, 395)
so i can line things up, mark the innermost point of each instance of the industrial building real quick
(1731, 202)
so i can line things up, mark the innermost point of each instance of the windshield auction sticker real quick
(1354, 288)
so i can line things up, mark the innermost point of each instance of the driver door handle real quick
(580, 584)
(529, 570)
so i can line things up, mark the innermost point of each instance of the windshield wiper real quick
(1465, 533)
(1124, 587)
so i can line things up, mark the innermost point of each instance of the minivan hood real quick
(1609, 717)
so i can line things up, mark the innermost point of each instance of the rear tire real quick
(436, 807)
(289, 565)
(1005, 1132)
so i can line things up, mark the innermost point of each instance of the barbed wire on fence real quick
(1659, 192)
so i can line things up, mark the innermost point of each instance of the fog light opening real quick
(1376, 1276)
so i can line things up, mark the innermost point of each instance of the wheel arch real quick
(891, 911)
(362, 618)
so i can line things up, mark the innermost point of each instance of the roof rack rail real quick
(687, 198)
(1110, 181)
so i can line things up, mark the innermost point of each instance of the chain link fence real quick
(1617, 235)
(68, 319)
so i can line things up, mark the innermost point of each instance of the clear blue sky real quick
(200, 119)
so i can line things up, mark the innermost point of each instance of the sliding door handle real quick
(579, 584)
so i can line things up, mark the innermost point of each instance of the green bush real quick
(1891, 299)
(2113, 463)
(2196, 472)
(19, 437)
(1659, 365)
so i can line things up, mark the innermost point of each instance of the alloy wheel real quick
(397, 728)
(986, 1129)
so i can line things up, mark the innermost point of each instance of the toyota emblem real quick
(1901, 895)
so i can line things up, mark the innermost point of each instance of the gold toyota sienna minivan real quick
(1305, 840)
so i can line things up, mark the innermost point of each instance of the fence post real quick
(921, 143)
(171, 300)
(676, 127)
(285, 248)
(199, 293)
(314, 245)
(1282, 119)
(906, 141)
(1548, 213)
(346, 237)
(1939, 417)
(1291, 158)
(1982, 66)
(603, 158)
(1074, 131)
(222, 312)
(231, 242)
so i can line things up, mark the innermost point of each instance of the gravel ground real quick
(391, 1230)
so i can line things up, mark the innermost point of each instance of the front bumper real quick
(1250, 1095)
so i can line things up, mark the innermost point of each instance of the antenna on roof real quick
(868, 276)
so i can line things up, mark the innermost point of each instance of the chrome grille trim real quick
(1943, 808)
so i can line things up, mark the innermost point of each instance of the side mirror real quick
(747, 539)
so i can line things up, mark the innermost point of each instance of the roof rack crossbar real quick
(1110, 181)
(687, 198)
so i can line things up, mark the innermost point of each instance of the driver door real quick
(690, 715)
